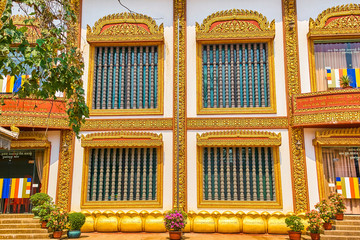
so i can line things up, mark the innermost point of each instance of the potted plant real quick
(345, 81)
(175, 221)
(337, 200)
(44, 211)
(315, 223)
(37, 200)
(296, 226)
(76, 220)
(326, 211)
(58, 221)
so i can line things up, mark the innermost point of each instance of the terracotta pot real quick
(327, 226)
(294, 235)
(57, 234)
(315, 236)
(175, 235)
(43, 224)
(339, 216)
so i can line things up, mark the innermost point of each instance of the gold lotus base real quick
(202, 222)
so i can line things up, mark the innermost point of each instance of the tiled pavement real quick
(187, 236)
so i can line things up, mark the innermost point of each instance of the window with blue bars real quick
(125, 77)
(235, 75)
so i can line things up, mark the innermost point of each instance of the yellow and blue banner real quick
(333, 76)
(348, 187)
(15, 188)
(11, 84)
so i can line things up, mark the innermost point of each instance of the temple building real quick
(239, 112)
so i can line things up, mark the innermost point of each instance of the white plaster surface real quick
(285, 170)
(303, 29)
(77, 184)
(54, 138)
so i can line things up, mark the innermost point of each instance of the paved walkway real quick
(188, 236)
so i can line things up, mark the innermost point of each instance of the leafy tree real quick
(53, 62)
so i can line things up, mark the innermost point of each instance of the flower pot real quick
(73, 233)
(43, 224)
(57, 234)
(294, 235)
(315, 236)
(175, 235)
(327, 226)
(339, 216)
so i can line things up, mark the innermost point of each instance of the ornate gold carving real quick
(297, 151)
(332, 118)
(231, 123)
(35, 140)
(238, 138)
(64, 181)
(2, 8)
(14, 129)
(33, 32)
(236, 24)
(76, 34)
(122, 139)
(203, 221)
(180, 82)
(125, 27)
(128, 124)
(33, 121)
(339, 20)
(337, 137)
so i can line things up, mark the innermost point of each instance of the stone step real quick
(347, 222)
(334, 237)
(23, 225)
(23, 215)
(352, 217)
(25, 236)
(342, 232)
(23, 230)
(18, 220)
(346, 227)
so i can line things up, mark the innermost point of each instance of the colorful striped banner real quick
(12, 83)
(15, 188)
(348, 187)
(333, 76)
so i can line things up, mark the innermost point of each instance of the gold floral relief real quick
(235, 23)
(32, 32)
(125, 27)
(338, 20)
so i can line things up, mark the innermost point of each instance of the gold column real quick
(180, 63)
(64, 181)
(296, 135)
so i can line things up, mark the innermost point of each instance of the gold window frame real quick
(122, 140)
(332, 138)
(231, 27)
(239, 138)
(340, 23)
(126, 29)
(36, 141)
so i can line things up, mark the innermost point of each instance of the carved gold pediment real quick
(33, 32)
(235, 24)
(30, 140)
(339, 20)
(338, 137)
(236, 138)
(122, 139)
(125, 27)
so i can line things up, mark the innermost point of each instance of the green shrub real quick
(44, 210)
(294, 223)
(39, 198)
(76, 220)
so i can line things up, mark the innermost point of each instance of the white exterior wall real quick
(54, 138)
(78, 184)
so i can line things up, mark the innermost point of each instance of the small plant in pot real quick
(37, 200)
(315, 223)
(58, 221)
(296, 226)
(345, 81)
(337, 200)
(175, 221)
(44, 211)
(76, 221)
(326, 211)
